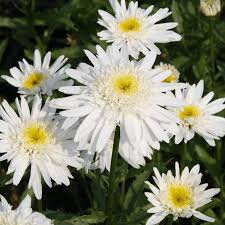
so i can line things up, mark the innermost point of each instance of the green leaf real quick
(94, 218)
(177, 16)
(136, 188)
(3, 45)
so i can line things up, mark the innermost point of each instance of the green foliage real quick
(69, 26)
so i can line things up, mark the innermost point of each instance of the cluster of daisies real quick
(119, 88)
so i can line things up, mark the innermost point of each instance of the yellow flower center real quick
(34, 135)
(170, 79)
(125, 84)
(33, 80)
(179, 196)
(189, 111)
(131, 24)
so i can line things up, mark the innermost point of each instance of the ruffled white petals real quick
(36, 137)
(23, 215)
(184, 186)
(135, 29)
(197, 115)
(39, 78)
(123, 92)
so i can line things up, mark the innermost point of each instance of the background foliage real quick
(67, 27)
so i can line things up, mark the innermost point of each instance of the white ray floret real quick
(36, 138)
(133, 28)
(197, 115)
(39, 78)
(180, 195)
(23, 215)
(120, 92)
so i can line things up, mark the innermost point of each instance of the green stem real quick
(33, 4)
(112, 178)
(122, 196)
(27, 192)
(39, 206)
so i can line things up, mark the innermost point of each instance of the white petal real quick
(201, 216)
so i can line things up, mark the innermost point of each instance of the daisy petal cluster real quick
(23, 215)
(180, 195)
(36, 138)
(135, 29)
(210, 7)
(118, 91)
(197, 115)
(39, 78)
(175, 74)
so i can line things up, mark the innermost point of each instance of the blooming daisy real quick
(197, 115)
(39, 78)
(121, 92)
(180, 195)
(133, 28)
(36, 138)
(210, 7)
(23, 215)
(175, 74)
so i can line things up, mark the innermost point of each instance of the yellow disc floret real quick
(189, 111)
(171, 79)
(131, 24)
(33, 80)
(125, 84)
(179, 196)
(35, 135)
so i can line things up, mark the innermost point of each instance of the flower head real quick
(197, 115)
(36, 137)
(39, 78)
(133, 28)
(180, 195)
(175, 74)
(210, 7)
(23, 215)
(121, 92)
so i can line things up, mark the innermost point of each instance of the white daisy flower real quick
(175, 74)
(135, 29)
(120, 92)
(197, 115)
(180, 195)
(23, 215)
(210, 7)
(36, 138)
(40, 78)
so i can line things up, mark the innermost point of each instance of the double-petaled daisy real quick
(175, 74)
(133, 28)
(180, 195)
(39, 78)
(36, 138)
(210, 7)
(121, 92)
(23, 215)
(197, 115)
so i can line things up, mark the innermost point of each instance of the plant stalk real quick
(112, 178)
